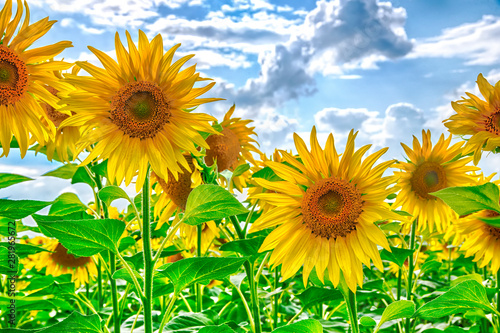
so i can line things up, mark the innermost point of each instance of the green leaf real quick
(112, 192)
(247, 247)
(8, 179)
(23, 250)
(75, 322)
(125, 242)
(65, 172)
(192, 321)
(67, 203)
(367, 321)
(241, 169)
(391, 226)
(397, 256)
(123, 274)
(397, 310)
(316, 295)
(191, 270)
(216, 329)
(81, 176)
(461, 298)
(19, 209)
(430, 266)
(211, 202)
(56, 288)
(268, 174)
(460, 279)
(469, 199)
(8, 261)
(303, 326)
(85, 238)
(493, 221)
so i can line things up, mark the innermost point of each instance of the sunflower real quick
(326, 207)
(23, 75)
(478, 118)
(64, 144)
(134, 110)
(429, 170)
(59, 262)
(173, 195)
(481, 239)
(233, 148)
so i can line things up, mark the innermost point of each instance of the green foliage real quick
(76, 322)
(85, 238)
(397, 255)
(67, 203)
(191, 270)
(112, 192)
(469, 199)
(211, 202)
(65, 171)
(303, 326)
(246, 247)
(397, 310)
(468, 295)
(18, 209)
(316, 295)
(8, 179)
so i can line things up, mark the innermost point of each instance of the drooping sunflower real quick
(172, 196)
(135, 110)
(59, 262)
(481, 239)
(23, 75)
(430, 169)
(64, 143)
(478, 118)
(326, 207)
(233, 148)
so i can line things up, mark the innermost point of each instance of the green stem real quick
(251, 282)
(166, 315)
(99, 286)
(400, 273)
(147, 301)
(410, 271)
(498, 293)
(276, 298)
(245, 304)
(114, 292)
(449, 265)
(199, 296)
(87, 294)
(350, 300)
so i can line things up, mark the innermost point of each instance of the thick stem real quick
(350, 300)
(400, 273)
(410, 271)
(199, 295)
(148, 260)
(498, 293)
(251, 282)
(99, 286)
(114, 292)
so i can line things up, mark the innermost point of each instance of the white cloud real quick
(478, 43)
(92, 31)
(342, 120)
(275, 131)
(66, 22)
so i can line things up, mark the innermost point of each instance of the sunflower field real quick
(219, 236)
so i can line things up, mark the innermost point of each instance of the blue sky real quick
(388, 69)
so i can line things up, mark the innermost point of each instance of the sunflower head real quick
(233, 147)
(135, 110)
(478, 118)
(24, 74)
(326, 205)
(429, 169)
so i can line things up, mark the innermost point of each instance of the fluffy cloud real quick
(116, 13)
(478, 43)
(275, 131)
(342, 120)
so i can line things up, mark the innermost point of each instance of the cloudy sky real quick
(388, 69)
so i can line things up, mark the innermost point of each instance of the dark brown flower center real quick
(331, 207)
(140, 109)
(13, 77)
(224, 148)
(493, 231)
(492, 123)
(179, 190)
(63, 258)
(55, 116)
(427, 178)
